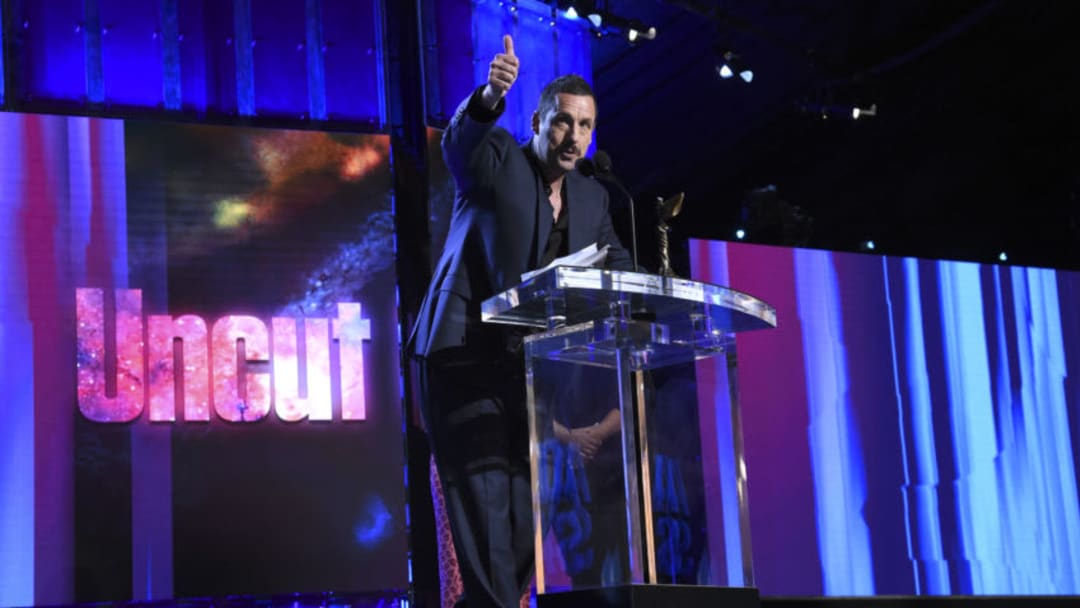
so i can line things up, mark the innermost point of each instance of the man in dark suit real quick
(516, 209)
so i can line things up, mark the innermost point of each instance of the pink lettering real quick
(241, 393)
(315, 404)
(351, 331)
(126, 402)
(189, 333)
(241, 369)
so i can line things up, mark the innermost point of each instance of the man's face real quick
(564, 132)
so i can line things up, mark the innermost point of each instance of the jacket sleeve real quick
(471, 147)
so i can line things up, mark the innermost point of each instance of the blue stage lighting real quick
(373, 523)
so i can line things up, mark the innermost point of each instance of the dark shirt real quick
(556, 243)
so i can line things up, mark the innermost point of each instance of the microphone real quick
(586, 167)
(600, 167)
(603, 163)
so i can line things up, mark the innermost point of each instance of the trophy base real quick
(652, 596)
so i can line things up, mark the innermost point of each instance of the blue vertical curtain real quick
(836, 459)
(547, 44)
(1007, 486)
(942, 403)
(16, 361)
(914, 410)
(62, 224)
(301, 59)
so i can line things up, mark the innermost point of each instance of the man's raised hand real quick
(502, 73)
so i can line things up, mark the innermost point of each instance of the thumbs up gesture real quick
(501, 74)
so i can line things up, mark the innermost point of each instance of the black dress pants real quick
(473, 405)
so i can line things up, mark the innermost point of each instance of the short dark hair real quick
(571, 84)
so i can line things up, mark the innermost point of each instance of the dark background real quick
(973, 151)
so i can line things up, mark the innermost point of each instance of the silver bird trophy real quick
(666, 209)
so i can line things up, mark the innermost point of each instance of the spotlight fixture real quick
(858, 112)
(827, 111)
(604, 23)
(633, 34)
(731, 64)
(740, 234)
(574, 9)
(580, 9)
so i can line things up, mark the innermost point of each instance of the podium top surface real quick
(575, 295)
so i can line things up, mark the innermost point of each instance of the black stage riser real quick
(999, 601)
(652, 596)
(681, 596)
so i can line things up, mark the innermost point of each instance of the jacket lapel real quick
(543, 222)
(576, 204)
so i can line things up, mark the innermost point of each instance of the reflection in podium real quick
(639, 483)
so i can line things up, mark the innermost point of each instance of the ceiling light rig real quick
(575, 9)
(605, 23)
(829, 111)
(857, 112)
(633, 33)
(730, 63)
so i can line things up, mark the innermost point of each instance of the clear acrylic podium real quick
(639, 484)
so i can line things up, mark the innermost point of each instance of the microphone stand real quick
(605, 174)
(609, 177)
(633, 229)
(601, 171)
(633, 224)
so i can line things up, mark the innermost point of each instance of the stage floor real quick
(1009, 601)
(398, 599)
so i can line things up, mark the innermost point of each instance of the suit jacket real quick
(499, 227)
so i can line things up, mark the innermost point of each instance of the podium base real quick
(652, 596)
